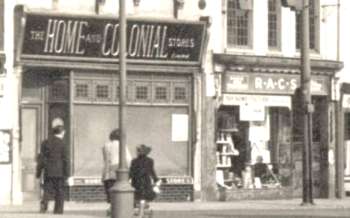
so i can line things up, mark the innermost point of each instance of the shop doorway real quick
(31, 137)
(44, 98)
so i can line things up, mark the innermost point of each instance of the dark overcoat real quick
(53, 159)
(141, 174)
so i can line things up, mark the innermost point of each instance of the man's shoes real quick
(43, 207)
(58, 212)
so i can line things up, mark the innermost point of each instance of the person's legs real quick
(47, 189)
(59, 195)
(108, 184)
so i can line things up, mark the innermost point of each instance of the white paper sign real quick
(179, 126)
(251, 112)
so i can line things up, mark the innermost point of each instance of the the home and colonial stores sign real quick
(62, 36)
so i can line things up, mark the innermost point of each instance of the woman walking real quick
(143, 176)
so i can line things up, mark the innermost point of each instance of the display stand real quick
(224, 150)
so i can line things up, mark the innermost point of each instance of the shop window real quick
(274, 21)
(318, 118)
(313, 26)
(180, 94)
(253, 147)
(239, 24)
(82, 90)
(32, 85)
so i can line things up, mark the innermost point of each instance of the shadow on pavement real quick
(75, 213)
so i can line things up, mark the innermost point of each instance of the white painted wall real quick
(344, 74)
(10, 182)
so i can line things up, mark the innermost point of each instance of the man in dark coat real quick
(53, 163)
(141, 172)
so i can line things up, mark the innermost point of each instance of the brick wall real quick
(255, 194)
(175, 193)
(93, 193)
(86, 193)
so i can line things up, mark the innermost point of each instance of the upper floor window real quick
(239, 23)
(274, 24)
(313, 25)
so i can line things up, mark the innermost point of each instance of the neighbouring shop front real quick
(345, 116)
(69, 67)
(259, 127)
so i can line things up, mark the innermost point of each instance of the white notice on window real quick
(179, 127)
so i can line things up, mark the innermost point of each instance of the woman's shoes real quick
(109, 212)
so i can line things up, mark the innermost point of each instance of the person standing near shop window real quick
(110, 152)
(239, 161)
(53, 164)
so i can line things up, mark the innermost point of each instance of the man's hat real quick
(57, 122)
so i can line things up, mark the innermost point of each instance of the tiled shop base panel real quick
(87, 193)
(169, 193)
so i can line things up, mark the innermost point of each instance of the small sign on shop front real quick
(5, 146)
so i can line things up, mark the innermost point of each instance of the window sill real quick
(313, 54)
(239, 50)
(274, 52)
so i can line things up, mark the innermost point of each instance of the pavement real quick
(235, 209)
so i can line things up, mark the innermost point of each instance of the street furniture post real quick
(122, 192)
(307, 105)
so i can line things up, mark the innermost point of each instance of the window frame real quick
(109, 85)
(141, 84)
(185, 86)
(89, 85)
(316, 26)
(250, 31)
(161, 84)
(278, 14)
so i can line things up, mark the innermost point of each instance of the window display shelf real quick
(222, 166)
(222, 142)
(229, 153)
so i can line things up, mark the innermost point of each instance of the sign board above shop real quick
(92, 38)
(255, 101)
(270, 83)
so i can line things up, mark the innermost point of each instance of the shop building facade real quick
(186, 105)
(251, 110)
(67, 67)
(163, 64)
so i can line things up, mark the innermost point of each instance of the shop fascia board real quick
(187, 69)
(324, 67)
